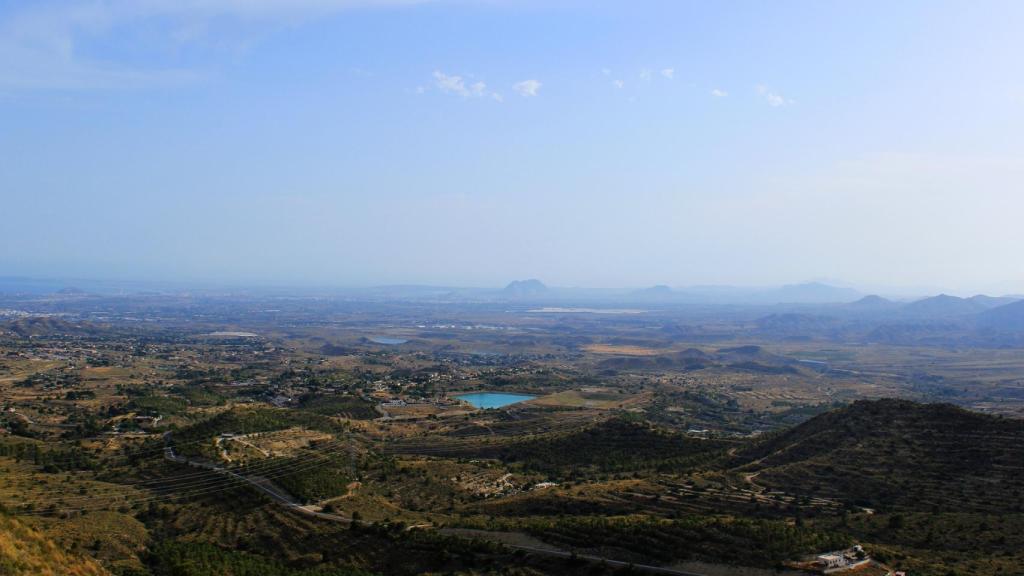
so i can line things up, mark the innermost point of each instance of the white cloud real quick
(449, 83)
(718, 93)
(618, 83)
(645, 74)
(454, 84)
(606, 71)
(669, 73)
(527, 87)
(459, 86)
(773, 98)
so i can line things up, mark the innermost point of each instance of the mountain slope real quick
(26, 551)
(1009, 318)
(898, 454)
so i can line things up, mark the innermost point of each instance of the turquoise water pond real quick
(493, 399)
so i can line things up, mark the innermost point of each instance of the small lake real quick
(388, 340)
(493, 399)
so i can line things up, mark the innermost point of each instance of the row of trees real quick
(741, 541)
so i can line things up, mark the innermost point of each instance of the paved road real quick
(609, 562)
(288, 502)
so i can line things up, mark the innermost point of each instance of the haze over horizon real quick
(322, 142)
(821, 291)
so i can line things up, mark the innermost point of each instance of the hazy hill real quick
(945, 305)
(922, 332)
(1009, 317)
(749, 353)
(807, 293)
(689, 359)
(872, 303)
(941, 305)
(26, 551)
(525, 288)
(748, 358)
(814, 292)
(20, 285)
(659, 291)
(792, 324)
(49, 326)
(896, 454)
(992, 301)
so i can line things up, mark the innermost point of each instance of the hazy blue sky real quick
(583, 143)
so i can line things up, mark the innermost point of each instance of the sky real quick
(585, 143)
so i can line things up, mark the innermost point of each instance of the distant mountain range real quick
(1008, 318)
(814, 292)
(810, 297)
(938, 320)
(945, 305)
(521, 288)
(808, 293)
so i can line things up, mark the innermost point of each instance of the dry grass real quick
(26, 551)
(624, 350)
(284, 442)
(21, 483)
(598, 398)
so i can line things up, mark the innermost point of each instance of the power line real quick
(259, 468)
(197, 488)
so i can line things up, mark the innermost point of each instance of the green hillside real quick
(895, 454)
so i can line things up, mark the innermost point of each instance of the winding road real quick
(289, 502)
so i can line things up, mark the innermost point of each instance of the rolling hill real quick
(898, 454)
(619, 444)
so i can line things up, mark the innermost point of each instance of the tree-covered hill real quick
(898, 454)
(622, 444)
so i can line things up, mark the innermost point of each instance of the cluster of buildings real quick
(840, 560)
(854, 561)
